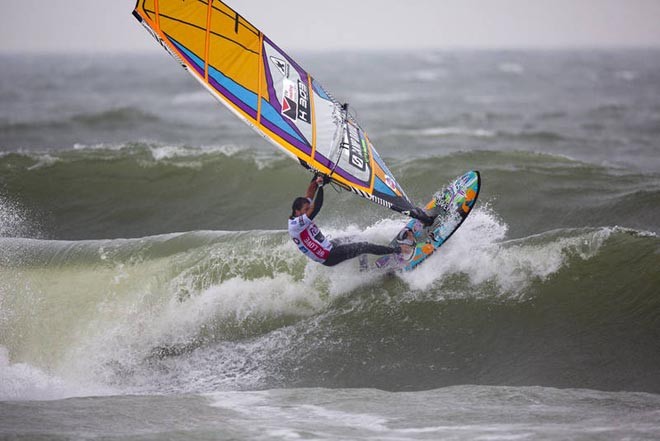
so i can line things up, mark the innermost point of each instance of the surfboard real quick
(449, 207)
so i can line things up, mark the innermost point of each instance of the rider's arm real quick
(316, 206)
(311, 190)
(316, 186)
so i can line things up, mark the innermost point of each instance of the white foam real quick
(43, 161)
(262, 159)
(480, 231)
(478, 251)
(162, 152)
(100, 146)
(284, 417)
(21, 381)
(169, 152)
(13, 218)
(437, 132)
(239, 300)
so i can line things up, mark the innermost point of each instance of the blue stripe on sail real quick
(240, 92)
(381, 187)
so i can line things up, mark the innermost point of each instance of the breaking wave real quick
(230, 310)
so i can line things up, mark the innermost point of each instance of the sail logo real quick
(289, 99)
(289, 108)
(281, 65)
(390, 182)
(303, 102)
(357, 153)
(355, 158)
(295, 101)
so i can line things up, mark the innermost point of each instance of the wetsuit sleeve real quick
(318, 203)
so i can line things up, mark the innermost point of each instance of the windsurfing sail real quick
(262, 85)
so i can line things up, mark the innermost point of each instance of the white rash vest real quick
(309, 239)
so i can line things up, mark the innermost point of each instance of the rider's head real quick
(299, 206)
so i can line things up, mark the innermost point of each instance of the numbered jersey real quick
(309, 239)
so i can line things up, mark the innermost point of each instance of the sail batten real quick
(271, 92)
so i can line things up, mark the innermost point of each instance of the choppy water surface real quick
(148, 288)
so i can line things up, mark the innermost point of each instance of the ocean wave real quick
(122, 116)
(207, 311)
(545, 136)
(134, 190)
(105, 153)
(465, 132)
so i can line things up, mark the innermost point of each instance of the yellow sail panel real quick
(234, 48)
(186, 26)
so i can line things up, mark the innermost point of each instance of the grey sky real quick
(94, 25)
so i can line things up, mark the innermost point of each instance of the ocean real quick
(149, 289)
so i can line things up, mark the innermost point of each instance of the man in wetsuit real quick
(309, 239)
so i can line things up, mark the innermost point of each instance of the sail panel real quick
(263, 85)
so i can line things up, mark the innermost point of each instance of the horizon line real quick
(155, 49)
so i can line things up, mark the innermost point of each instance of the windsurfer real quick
(309, 239)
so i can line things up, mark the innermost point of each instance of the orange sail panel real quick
(265, 87)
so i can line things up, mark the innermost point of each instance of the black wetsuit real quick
(343, 251)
